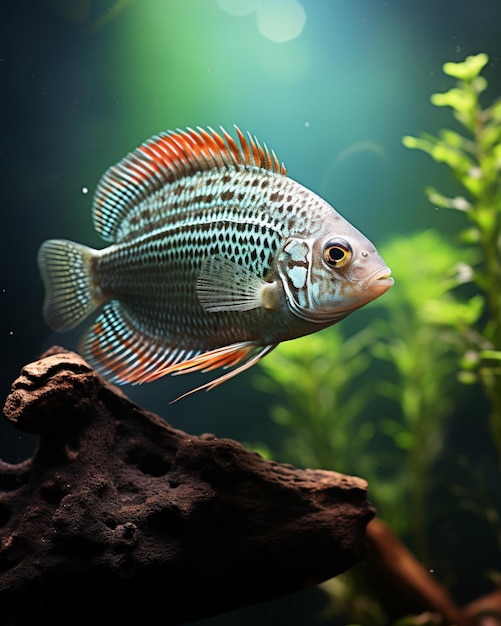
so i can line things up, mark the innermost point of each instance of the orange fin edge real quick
(248, 361)
(244, 353)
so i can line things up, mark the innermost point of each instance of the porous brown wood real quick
(120, 515)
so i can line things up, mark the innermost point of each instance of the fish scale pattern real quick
(164, 242)
(216, 256)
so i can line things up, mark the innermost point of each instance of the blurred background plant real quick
(316, 382)
(324, 386)
(474, 157)
(440, 326)
(416, 341)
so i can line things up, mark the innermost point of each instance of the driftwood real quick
(121, 516)
(405, 588)
(402, 584)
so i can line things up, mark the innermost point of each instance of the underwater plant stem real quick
(418, 402)
(486, 217)
(418, 465)
(490, 375)
(419, 487)
(487, 220)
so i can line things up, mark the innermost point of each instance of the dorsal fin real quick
(168, 157)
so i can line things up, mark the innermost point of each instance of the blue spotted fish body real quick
(215, 257)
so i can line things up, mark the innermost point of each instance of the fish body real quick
(216, 257)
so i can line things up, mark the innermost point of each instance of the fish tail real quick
(71, 290)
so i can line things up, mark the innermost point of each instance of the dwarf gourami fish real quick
(216, 257)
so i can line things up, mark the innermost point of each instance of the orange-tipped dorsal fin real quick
(168, 157)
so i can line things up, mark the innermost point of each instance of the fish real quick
(215, 257)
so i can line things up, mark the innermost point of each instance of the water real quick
(332, 92)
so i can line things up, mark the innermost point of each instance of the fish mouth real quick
(381, 277)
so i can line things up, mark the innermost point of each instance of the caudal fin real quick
(70, 289)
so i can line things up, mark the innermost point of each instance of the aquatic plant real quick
(422, 352)
(324, 396)
(319, 397)
(474, 157)
(328, 389)
(439, 327)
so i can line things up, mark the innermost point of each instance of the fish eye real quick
(337, 253)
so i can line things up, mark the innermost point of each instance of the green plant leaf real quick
(459, 99)
(455, 140)
(441, 151)
(453, 313)
(468, 69)
(494, 355)
(459, 203)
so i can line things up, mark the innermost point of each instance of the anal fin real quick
(117, 349)
(123, 354)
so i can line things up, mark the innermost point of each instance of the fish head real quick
(327, 277)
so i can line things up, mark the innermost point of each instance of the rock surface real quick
(118, 515)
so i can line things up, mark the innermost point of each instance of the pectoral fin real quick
(227, 286)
